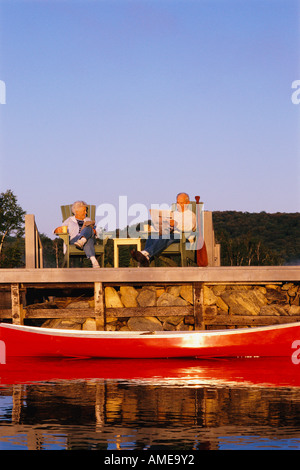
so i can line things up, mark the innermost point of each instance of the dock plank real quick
(152, 275)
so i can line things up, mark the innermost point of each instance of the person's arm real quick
(87, 223)
(61, 228)
(171, 221)
(173, 224)
(194, 221)
(90, 223)
(191, 238)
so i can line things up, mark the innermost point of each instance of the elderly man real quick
(81, 231)
(183, 220)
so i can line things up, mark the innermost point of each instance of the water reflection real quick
(145, 404)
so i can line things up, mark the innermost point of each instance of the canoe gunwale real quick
(145, 334)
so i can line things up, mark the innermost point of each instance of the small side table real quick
(124, 241)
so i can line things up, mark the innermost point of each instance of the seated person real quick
(183, 220)
(81, 231)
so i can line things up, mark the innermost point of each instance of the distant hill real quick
(258, 238)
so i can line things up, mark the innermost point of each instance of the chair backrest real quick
(198, 209)
(66, 211)
(192, 206)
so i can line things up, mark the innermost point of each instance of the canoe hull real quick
(278, 340)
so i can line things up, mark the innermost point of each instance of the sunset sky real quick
(147, 98)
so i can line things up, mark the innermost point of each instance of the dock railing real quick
(213, 248)
(33, 244)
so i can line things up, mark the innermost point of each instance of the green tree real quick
(13, 254)
(11, 217)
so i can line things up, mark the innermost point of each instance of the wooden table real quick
(124, 241)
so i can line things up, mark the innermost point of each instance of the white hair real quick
(77, 205)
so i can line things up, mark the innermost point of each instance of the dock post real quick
(17, 312)
(198, 305)
(99, 305)
(33, 244)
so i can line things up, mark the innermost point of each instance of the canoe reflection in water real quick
(268, 371)
(148, 404)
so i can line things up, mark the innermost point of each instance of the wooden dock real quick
(17, 284)
(221, 274)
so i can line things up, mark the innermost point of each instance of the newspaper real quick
(161, 220)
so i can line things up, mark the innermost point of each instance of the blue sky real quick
(146, 98)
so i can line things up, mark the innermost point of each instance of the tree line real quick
(247, 239)
(257, 239)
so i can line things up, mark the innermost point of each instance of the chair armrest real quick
(101, 241)
(106, 235)
(65, 237)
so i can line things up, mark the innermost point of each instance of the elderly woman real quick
(81, 231)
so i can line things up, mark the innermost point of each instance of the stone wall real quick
(269, 299)
(220, 301)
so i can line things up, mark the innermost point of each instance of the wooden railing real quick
(213, 249)
(198, 313)
(33, 244)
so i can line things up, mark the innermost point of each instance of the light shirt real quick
(73, 227)
(186, 221)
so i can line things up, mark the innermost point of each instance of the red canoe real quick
(267, 341)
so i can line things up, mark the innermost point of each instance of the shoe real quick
(80, 243)
(140, 258)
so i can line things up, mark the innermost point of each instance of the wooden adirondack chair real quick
(187, 256)
(71, 250)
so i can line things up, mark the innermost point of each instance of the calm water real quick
(150, 404)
